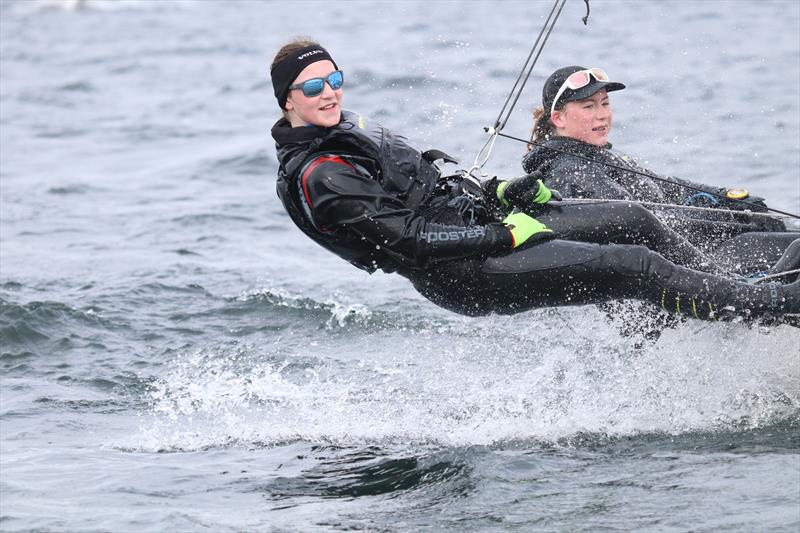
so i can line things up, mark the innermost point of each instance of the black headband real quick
(285, 72)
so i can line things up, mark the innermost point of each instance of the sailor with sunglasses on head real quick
(570, 147)
(363, 193)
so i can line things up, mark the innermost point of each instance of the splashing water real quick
(490, 384)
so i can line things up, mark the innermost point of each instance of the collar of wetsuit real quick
(284, 133)
(541, 154)
(557, 139)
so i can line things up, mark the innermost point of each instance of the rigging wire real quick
(778, 275)
(660, 205)
(639, 172)
(516, 91)
(527, 69)
(486, 150)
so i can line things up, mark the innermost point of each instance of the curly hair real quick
(543, 129)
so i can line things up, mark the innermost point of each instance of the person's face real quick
(323, 109)
(588, 120)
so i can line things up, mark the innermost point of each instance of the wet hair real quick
(297, 43)
(543, 129)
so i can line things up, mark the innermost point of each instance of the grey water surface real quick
(176, 356)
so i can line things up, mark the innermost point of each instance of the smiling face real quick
(587, 120)
(325, 109)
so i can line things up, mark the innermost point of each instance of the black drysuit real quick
(366, 195)
(740, 241)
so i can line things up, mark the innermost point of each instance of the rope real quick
(778, 275)
(639, 172)
(717, 210)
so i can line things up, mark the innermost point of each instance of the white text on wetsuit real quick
(466, 233)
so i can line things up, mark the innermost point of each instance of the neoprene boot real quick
(789, 261)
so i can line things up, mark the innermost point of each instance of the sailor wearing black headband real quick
(363, 193)
(291, 65)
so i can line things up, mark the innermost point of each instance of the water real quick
(176, 356)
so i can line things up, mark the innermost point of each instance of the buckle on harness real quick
(433, 155)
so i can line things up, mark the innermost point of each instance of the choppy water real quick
(176, 356)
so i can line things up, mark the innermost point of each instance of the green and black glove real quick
(525, 192)
(525, 228)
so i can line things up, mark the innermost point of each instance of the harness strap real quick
(433, 155)
(303, 184)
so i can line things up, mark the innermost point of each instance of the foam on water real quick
(478, 384)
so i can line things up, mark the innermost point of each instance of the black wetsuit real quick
(742, 242)
(366, 195)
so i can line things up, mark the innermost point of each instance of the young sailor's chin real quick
(598, 135)
(329, 114)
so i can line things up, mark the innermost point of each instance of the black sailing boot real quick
(789, 262)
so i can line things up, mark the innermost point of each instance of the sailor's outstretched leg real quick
(563, 273)
(605, 222)
(688, 292)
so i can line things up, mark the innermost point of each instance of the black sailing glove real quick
(525, 192)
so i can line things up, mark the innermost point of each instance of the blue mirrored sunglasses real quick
(314, 86)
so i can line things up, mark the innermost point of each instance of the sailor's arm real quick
(681, 191)
(577, 178)
(341, 197)
(685, 192)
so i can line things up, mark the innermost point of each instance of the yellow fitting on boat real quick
(737, 194)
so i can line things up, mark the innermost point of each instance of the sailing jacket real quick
(587, 174)
(366, 195)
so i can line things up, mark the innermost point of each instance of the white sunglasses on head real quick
(578, 80)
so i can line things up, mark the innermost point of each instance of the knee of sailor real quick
(629, 259)
(641, 216)
(632, 216)
(642, 221)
